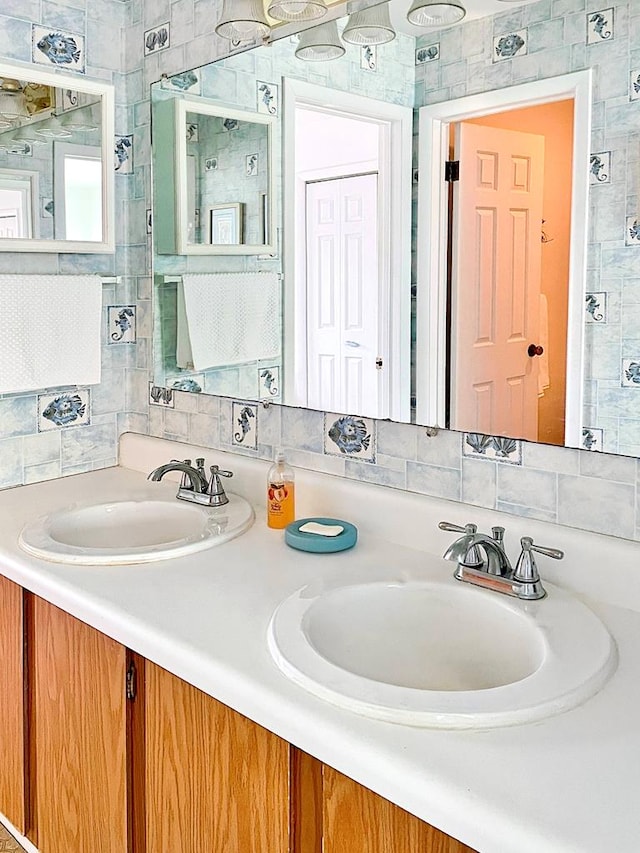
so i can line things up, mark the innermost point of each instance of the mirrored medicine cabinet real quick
(56, 162)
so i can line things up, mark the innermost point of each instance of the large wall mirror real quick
(56, 162)
(394, 283)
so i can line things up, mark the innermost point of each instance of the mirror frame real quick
(204, 107)
(106, 92)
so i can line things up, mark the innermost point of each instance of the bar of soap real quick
(321, 529)
(321, 535)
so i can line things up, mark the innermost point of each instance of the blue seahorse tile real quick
(244, 425)
(600, 26)
(600, 168)
(596, 307)
(121, 324)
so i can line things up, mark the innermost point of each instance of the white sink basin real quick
(442, 654)
(133, 531)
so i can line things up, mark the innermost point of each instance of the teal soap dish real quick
(317, 543)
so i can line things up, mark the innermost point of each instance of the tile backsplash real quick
(584, 489)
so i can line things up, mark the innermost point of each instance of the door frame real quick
(395, 257)
(434, 125)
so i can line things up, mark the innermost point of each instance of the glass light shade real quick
(373, 26)
(52, 129)
(12, 106)
(434, 13)
(291, 10)
(319, 44)
(81, 120)
(25, 133)
(243, 20)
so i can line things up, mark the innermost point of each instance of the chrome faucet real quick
(482, 560)
(195, 486)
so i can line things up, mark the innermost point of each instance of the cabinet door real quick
(12, 707)
(78, 735)
(358, 821)
(216, 781)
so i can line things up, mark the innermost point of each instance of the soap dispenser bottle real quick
(280, 493)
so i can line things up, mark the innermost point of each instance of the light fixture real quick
(79, 119)
(243, 20)
(12, 105)
(372, 26)
(320, 44)
(26, 133)
(52, 129)
(294, 10)
(434, 13)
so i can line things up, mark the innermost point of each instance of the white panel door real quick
(496, 281)
(342, 295)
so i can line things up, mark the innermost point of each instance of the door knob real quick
(534, 350)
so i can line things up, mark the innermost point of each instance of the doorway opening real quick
(527, 298)
(347, 260)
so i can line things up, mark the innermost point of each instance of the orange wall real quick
(555, 123)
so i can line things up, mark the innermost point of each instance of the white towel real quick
(232, 317)
(51, 327)
(543, 337)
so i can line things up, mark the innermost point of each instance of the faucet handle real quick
(526, 570)
(455, 528)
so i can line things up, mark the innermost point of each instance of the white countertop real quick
(568, 784)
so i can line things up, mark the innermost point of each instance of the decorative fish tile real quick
(58, 49)
(369, 57)
(159, 396)
(600, 168)
(591, 439)
(56, 411)
(600, 26)
(211, 164)
(188, 81)
(596, 307)
(632, 231)
(157, 39)
(630, 377)
(495, 447)
(123, 154)
(634, 85)
(194, 384)
(509, 45)
(267, 98)
(121, 324)
(427, 54)
(47, 207)
(230, 124)
(269, 382)
(349, 435)
(244, 424)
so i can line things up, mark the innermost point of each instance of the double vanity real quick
(300, 684)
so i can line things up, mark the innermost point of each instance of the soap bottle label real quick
(281, 504)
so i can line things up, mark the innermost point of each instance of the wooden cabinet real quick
(355, 820)
(215, 781)
(12, 705)
(78, 735)
(87, 771)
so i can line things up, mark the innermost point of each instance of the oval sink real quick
(441, 654)
(133, 531)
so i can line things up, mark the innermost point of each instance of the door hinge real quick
(131, 682)
(379, 363)
(452, 171)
